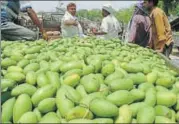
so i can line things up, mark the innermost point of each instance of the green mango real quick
(103, 108)
(167, 99)
(146, 115)
(79, 112)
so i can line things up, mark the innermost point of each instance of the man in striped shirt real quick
(140, 27)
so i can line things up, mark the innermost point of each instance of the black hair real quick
(71, 4)
(155, 2)
(106, 11)
(140, 11)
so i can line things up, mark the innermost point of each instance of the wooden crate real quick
(53, 37)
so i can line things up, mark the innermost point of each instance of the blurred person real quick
(10, 10)
(140, 27)
(70, 26)
(162, 40)
(110, 27)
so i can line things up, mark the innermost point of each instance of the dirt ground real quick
(175, 56)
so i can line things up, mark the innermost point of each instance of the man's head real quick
(71, 8)
(149, 4)
(139, 9)
(107, 10)
(105, 13)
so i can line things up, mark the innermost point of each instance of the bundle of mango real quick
(86, 81)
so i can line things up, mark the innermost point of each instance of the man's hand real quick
(44, 35)
(160, 50)
(94, 30)
(75, 23)
(36, 21)
(162, 45)
(71, 22)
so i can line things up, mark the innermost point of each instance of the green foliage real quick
(122, 15)
(170, 6)
(160, 4)
(177, 10)
(94, 14)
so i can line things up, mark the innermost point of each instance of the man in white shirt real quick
(70, 26)
(110, 27)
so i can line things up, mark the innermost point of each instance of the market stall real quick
(51, 22)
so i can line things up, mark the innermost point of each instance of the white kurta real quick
(70, 30)
(111, 26)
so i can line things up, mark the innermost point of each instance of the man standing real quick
(140, 27)
(110, 27)
(70, 26)
(161, 30)
(9, 15)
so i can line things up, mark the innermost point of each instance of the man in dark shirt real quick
(9, 13)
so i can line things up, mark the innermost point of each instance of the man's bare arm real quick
(70, 22)
(32, 14)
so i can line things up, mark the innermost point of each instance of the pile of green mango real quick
(86, 80)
